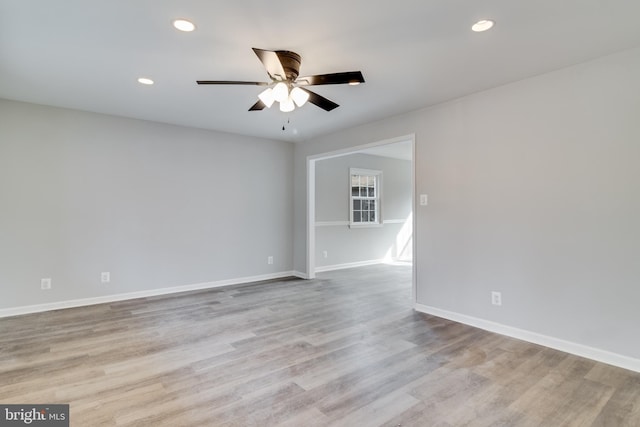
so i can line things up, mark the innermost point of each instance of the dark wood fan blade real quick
(272, 63)
(229, 82)
(321, 101)
(352, 77)
(257, 106)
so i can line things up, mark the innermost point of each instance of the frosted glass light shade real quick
(280, 92)
(299, 96)
(287, 105)
(267, 97)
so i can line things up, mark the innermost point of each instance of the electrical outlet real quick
(45, 284)
(105, 277)
(325, 254)
(496, 298)
(270, 260)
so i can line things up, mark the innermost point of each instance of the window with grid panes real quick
(365, 197)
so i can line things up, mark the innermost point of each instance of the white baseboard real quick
(392, 261)
(300, 275)
(7, 312)
(348, 265)
(581, 350)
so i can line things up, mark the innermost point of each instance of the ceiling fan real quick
(286, 87)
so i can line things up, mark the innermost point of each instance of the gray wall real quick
(346, 245)
(155, 205)
(534, 191)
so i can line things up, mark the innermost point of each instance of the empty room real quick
(331, 214)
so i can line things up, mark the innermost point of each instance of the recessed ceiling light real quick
(184, 25)
(145, 81)
(482, 25)
(354, 83)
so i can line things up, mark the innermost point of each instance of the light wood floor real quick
(345, 349)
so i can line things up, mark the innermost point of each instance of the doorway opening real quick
(334, 240)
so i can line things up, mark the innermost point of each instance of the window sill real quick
(371, 225)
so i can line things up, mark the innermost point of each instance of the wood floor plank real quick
(378, 411)
(345, 349)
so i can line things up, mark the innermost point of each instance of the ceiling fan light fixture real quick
(353, 83)
(184, 25)
(280, 92)
(482, 25)
(283, 67)
(287, 105)
(299, 96)
(266, 96)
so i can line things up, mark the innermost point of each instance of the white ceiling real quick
(397, 150)
(413, 53)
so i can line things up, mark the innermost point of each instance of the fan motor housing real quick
(290, 62)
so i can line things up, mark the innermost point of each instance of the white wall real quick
(346, 245)
(534, 191)
(155, 205)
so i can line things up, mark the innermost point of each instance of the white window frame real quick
(377, 198)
